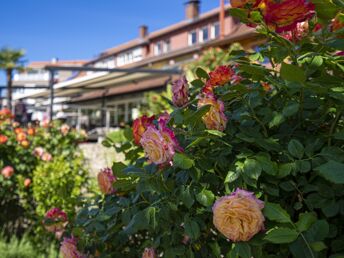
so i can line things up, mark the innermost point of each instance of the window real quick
(204, 34)
(192, 38)
(215, 30)
(158, 48)
(167, 46)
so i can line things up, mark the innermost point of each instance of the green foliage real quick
(285, 144)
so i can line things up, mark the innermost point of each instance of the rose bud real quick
(27, 182)
(106, 180)
(180, 92)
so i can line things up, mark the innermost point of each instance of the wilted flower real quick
(140, 125)
(149, 253)
(55, 220)
(65, 129)
(156, 148)
(46, 156)
(239, 216)
(27, 182)
(7, 171)
(3, 139)
(106, 180)
(69, 249)
(284, 15)
(215, 118)
(180, 92)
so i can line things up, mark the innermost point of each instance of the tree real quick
(10, 59)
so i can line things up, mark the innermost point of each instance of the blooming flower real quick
(243, 3)
(21, 136)
(238, 216)
(17, 130)
(167, 133)
(149, 253)
(31, 131)
(284, 15)
(46, 156)
(106, 180)
(140, 126)
(25, 144)
(64, 129)
(55, 220)
(215, 118)
(69, 249)
(38, 151)
(7, 171)
(221, 75)
(156, 148)
(180, 92)
(3, 139)
(27, 182)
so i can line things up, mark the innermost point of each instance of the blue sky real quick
(80, 29)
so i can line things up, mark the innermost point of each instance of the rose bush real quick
(260, 168)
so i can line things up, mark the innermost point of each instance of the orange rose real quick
(3, 139)
(238, 216)
(140, 126)
(21, 136)
(31, 131)
(106, 180)
(215, 118)
(27, 182)
(284, 15)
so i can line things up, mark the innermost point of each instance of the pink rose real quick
(69, 249)
(239, 216)
(168, 133)
(55, 220)
(180, 92)
(7, 171)
(106, 180)
(38, 152)
(46, 156)
(149, 253)
(65, 129)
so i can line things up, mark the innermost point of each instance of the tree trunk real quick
(9, 88)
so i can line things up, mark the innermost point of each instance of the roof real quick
(140, 41)
(42, 64)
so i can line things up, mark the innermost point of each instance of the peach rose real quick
(69, 249)
(64, 129)
(140, 126)
(149, 253)
(55, 220)
(38, 152)
(7, 171)
(3, 139)
(46, 156)
(156, 148)
(31, 131)
(238, 216)
(21, 136)
(106, 180)
(25, 144)
(27, 182)
(215, 118)
(180, 92)
(284, 15)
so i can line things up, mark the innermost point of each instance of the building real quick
(110, 99)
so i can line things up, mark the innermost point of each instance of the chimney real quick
(192, 9)
(143, 31)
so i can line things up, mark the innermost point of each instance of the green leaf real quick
(305, 221)
(216, 133)
(276, 120)
(296, 148)
(197, 83)
(186, 197)
(252, 168)
(192, 229)
(318, 246)
(332, 171)
(240, 13)
(231, 177)
(240, 249)
(290, 109)
(206, 198)
(201, 73)
(275, 212)
(182, 161)
(292, 73)
(281, 235)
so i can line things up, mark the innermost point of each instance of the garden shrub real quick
(251, 166)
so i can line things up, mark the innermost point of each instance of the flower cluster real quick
(238, 216)
(160, 143)
(105, 181)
